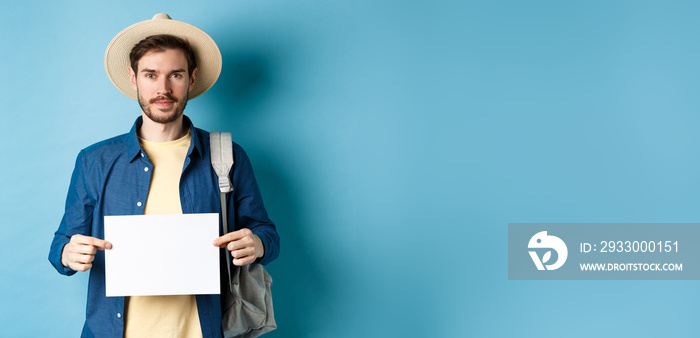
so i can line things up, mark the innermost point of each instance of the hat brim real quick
(205, 49)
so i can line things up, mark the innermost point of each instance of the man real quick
(162, 166)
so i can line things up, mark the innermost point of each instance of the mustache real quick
(163, 98)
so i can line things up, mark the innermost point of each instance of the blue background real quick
(393, 142)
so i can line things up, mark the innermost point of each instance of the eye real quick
(150, 76)
(176, 76)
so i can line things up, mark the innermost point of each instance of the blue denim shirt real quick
(110, 179)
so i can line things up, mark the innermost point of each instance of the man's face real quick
(162, 84)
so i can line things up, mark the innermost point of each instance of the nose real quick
(163, 86)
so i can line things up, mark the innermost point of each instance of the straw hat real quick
(205, 50)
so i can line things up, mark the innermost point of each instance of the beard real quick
(175, 112)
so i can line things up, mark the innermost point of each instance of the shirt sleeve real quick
(249, 208)
(77, 218)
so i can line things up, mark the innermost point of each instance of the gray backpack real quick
(247, 302)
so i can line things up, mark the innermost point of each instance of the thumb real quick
(101, 244)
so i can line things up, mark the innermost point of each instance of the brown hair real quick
(160, 43)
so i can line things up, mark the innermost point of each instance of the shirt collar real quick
(133, 146)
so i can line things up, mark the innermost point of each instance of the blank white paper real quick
(162, 255)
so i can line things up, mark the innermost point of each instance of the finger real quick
(241, 243)
(244, 260)
(87, 240)
(83, 249)
(231, 236)
(100, 244)
(243, 253)
(82, 259)
(79, 239)
(80, 266)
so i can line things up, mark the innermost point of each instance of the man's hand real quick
(245, 246)
(80, 252)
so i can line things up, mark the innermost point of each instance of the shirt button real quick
(142, 155)
(119, 315)
(145, 169)
(138, 204)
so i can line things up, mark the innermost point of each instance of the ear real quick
(193, 78)
(132, 78)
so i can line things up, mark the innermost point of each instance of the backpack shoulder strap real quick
(222, 158)
(221, 149)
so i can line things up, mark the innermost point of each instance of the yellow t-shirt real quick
(163, 316)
